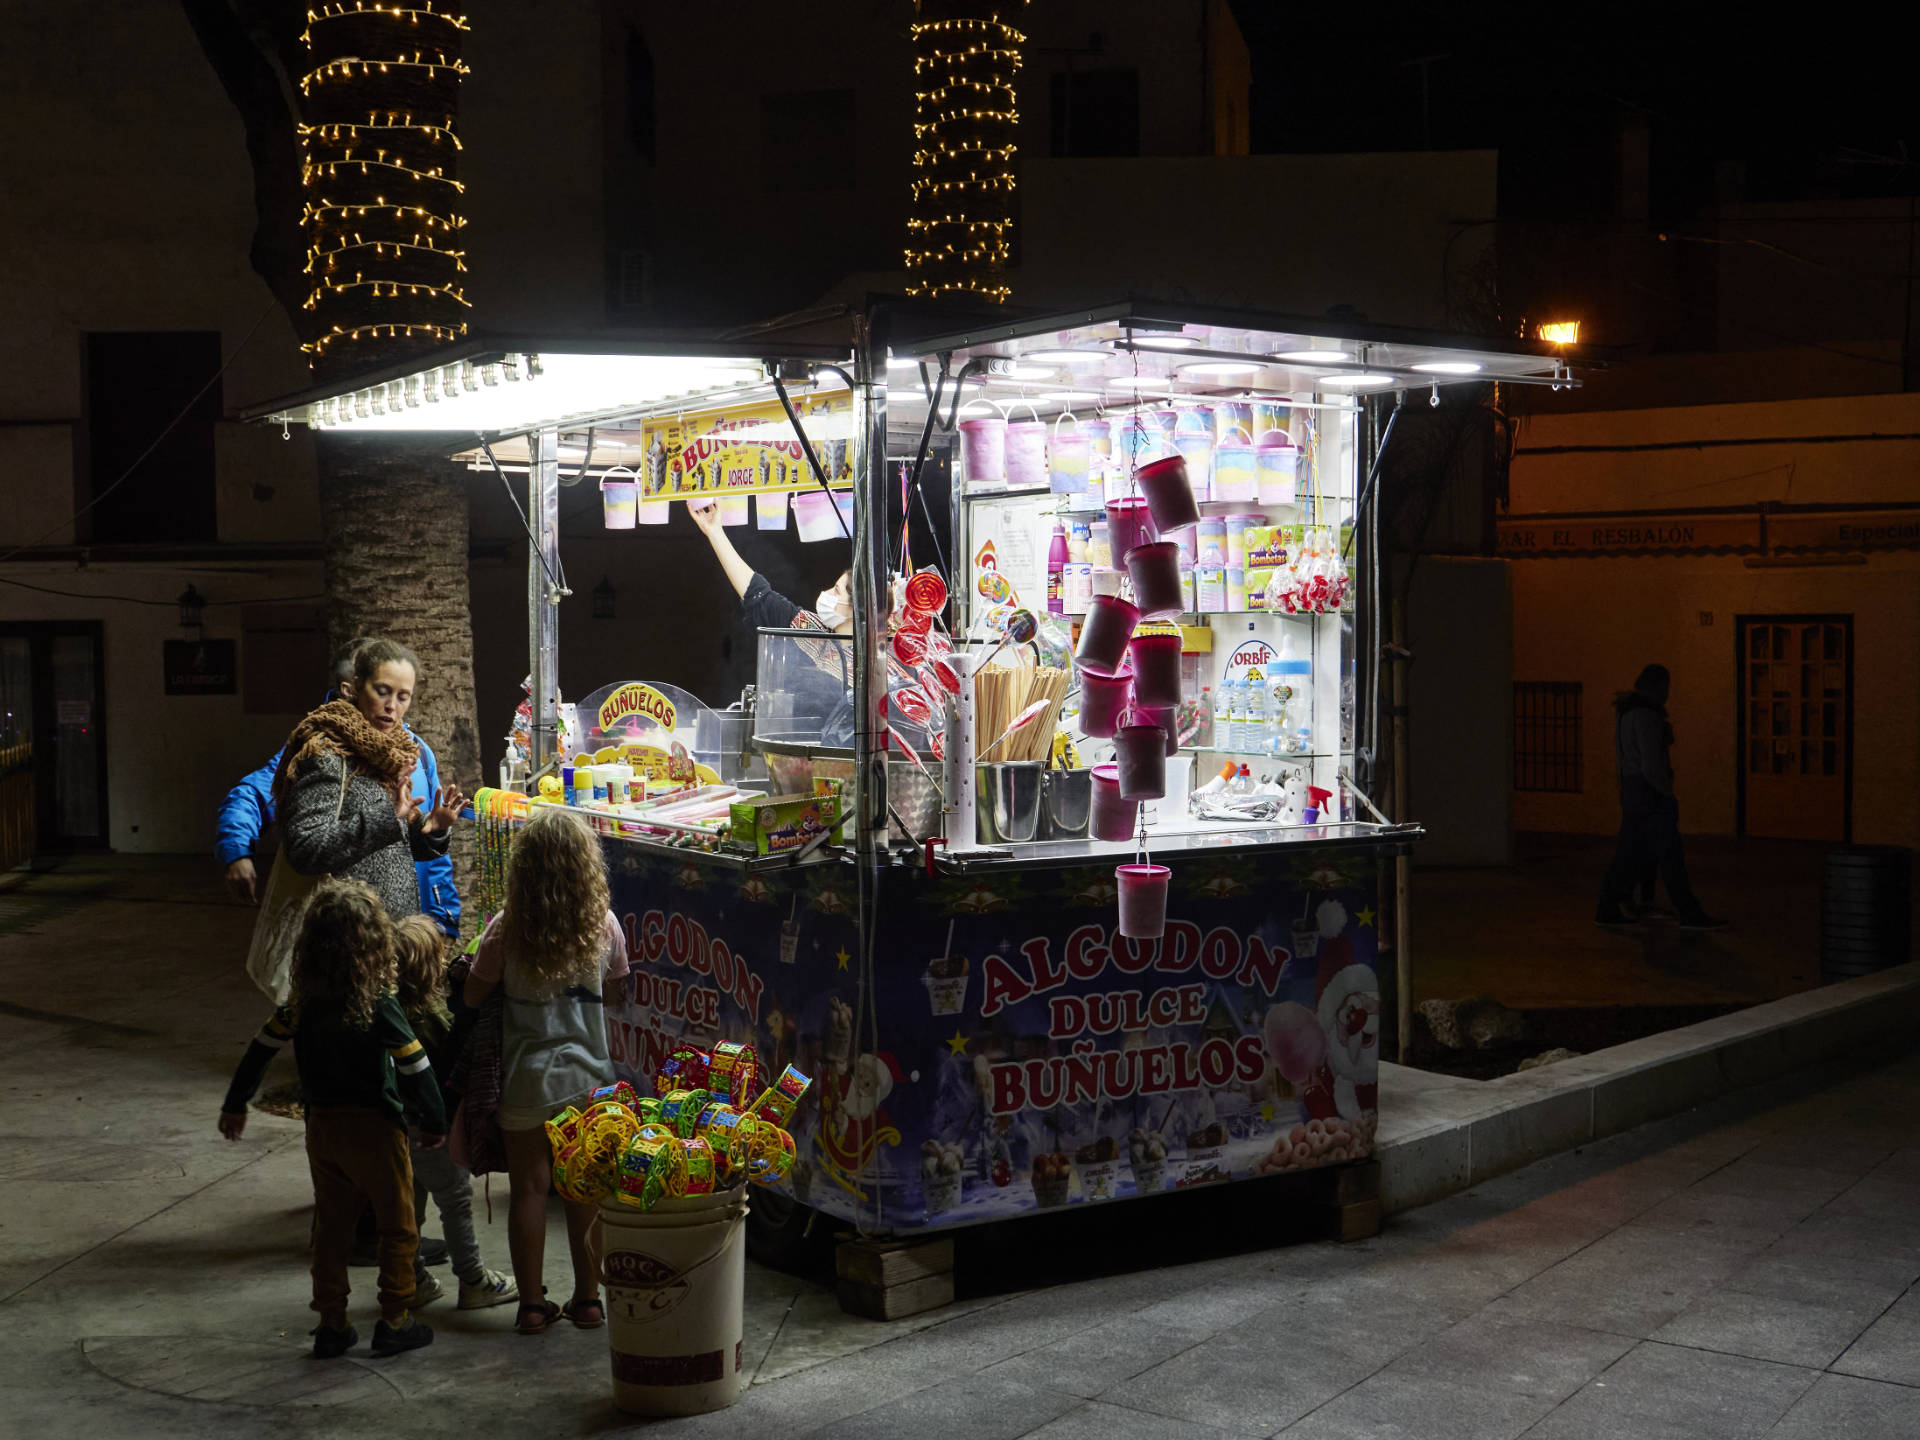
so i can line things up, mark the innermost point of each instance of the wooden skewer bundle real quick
(1001, 691)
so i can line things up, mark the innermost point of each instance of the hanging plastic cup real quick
(1140, 755)
(1169, 494)
(1234, 472)
(770, 510)
(1155, 569)
(1108, 816)
(983, 451)
(1277, 464)
(1103, 699)
(1027, 452)
(734, 510)
(1104, 636)
(1155, 657)
(1069, 457)
(1167, 717)
(1143, 900)
(619, 500)
(1128, 524)
(813, 517)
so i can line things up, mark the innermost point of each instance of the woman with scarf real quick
(1649, 813)
(343, 788)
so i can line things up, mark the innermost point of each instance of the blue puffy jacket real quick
(248, 809)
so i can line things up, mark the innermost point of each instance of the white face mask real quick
(830, 607)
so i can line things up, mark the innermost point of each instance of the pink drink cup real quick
(1155, 568)
(1109, 817)
(1169, 493)
(1165, 716)
(1143, 900)
(1104, 635)
(1140, 755)
(1129, 523)
(1102, 699)
(1156, 669)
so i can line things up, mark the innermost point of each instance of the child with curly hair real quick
(421, 985)
(560, 957)
(362, 1070)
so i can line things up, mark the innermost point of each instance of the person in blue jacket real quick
(248, 810)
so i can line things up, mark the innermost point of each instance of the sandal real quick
(533, 1319)
(586, 1314)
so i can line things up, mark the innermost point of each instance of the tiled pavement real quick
(1744, 1270)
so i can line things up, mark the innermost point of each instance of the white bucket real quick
(676, 1286)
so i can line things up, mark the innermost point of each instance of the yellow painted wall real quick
(1599, 620)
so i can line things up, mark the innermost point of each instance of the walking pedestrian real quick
(1649, 811)
(362, 1070)
(559, 956)
(421, 984)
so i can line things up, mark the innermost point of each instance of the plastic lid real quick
(1291, 667)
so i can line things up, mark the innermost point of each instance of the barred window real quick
(1546, 736)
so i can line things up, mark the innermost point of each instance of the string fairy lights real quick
(380, 155)
(966, 118)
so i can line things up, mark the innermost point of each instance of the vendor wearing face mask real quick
(766, 607)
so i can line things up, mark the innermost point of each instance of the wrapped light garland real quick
(640, 1150)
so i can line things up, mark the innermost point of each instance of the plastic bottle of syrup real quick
(1057, 571)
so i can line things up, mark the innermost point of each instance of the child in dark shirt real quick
(422, 992)
(358, 1058)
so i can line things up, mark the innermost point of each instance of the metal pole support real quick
(543, 599)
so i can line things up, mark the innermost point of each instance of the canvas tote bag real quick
(282, 907)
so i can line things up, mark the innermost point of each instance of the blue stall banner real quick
(1016, 1052)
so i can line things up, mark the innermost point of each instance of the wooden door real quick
(1796, 723)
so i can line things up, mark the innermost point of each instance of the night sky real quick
(1738, 106)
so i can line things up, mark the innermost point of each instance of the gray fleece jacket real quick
(1640, 747)
(364, 840)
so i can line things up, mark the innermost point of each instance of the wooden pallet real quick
(889, 1279)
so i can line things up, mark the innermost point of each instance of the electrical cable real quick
(1373, 473)
(143, 600)
(806, 448)
(920, 459)
(185, 410)
(959, 386)
(559, 583)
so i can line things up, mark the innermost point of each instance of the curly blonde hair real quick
(556, 910)
(420, 957)
(344, 959)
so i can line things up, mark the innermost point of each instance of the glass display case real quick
(803, 727)
(1048, 501)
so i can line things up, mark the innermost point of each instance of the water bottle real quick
(1236, 715)
(1256, 736)
(1222, 737)
(1297, 675)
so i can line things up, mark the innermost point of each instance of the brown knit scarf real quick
(338, 728)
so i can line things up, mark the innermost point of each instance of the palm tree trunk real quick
(393, 514)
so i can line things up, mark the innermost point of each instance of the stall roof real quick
(511, 384)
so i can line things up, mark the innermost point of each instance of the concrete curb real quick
(1440, 1135)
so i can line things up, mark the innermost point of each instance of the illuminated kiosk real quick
(984, 1041)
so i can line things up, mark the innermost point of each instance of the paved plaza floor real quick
(1746, 1269)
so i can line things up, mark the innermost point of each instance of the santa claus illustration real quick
(852, 1123)
(1346, 996)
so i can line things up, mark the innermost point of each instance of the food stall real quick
(1076, 897)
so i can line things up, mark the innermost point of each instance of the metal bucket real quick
(1069, 802)
(1007, 800)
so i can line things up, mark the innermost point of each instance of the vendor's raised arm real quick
(706, 514)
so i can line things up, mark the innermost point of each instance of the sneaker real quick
(426, 1288)
(392, 1339)
(1702, 921)
(492, 1288)
(433, 1250)
(331, 1344)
